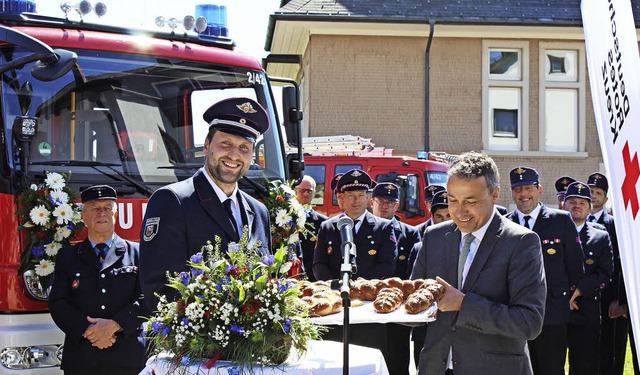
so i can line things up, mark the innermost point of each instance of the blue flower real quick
(185, 321)
(284, 287)
(70, 227)
(229, 269)
(37, 251)
(184, 278)
(268, 260)
(166, 330)
(197, 258)
(158, 326)
(287, 325)
(196, 272)
(233, 247)
(236, 328)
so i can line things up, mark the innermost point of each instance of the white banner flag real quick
(614, 72)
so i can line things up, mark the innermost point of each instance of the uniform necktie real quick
(464, 253)
(592, 218)
(354, 231)
(102, 251)
(232, 218)
(526, 221)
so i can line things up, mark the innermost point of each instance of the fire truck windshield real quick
(141, 115)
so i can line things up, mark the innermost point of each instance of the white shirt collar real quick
(534, 214)
(598, 214)
(479, 234)
(221, 194)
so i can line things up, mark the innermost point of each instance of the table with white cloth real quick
(322, 357)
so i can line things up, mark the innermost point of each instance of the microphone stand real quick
(345, 271)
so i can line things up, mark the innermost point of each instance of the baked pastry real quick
(408, 287)
(420, 300)
(388, 300)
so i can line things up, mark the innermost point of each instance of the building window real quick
(505, 82)
(562, 97)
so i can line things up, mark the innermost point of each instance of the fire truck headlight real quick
(201, 24)
(34, 287)
(100, 9)
(27, 357)
(188, 23)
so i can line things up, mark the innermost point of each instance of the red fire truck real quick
(113, 106)
(411, 174)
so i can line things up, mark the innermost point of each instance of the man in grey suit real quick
(486, 318)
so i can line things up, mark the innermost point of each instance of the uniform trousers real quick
(584, 349)
(613, 345)
(548, 351)
(399, 349)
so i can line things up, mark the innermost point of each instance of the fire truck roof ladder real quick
(347, 145)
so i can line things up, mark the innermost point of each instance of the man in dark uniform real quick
(96, 298)
(584, 321)
(183, 216)
(385, 204)
(305, 191)
(561, 188)
(615, 326)
(429, 192)
(439, 213)
(563, 265)
(334, 186)
(376, 252)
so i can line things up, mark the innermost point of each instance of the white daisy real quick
(52, 248)
(59, 196)
(287, 189)
(302, 218)
(282, 217)
(63, 213)
(62, 233)
(45, 267)
(293, 238)
(55, 181)
(39, 215)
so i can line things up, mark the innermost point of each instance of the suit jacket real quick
(308, 243)
(180, 219)
(407, 236)
(375, 248)
(598, 260)
(563, 260)
(83, 287)
(503, 305)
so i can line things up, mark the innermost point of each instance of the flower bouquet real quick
(288, 220)
(235, 307)
(49, 219)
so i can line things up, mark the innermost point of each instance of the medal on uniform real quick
(589, 261)
(372, 252)
(551, 251)
(75, 284)
(402, 257)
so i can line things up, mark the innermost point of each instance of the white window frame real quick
(522, 84)
(580, 86)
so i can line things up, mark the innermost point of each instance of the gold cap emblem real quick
(246, 108)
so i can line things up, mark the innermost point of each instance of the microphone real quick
(345, 225)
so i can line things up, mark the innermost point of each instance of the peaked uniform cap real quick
(578, 189)
(355, 179)
(387, 190)
(98, 192)
(334, 181)
(562, 183)
(431, 190)
(440, 200)
(599, 180)
(243, 117)
(521, 176)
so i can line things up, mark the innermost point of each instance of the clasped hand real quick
(101, 332)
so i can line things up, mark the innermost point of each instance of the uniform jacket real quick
(375, 247)
(563, 260)
(423, 227)
(503, 305)
(598, 266)
(180, 219)
(407, 236)
(616, 289)
(308, 243)
(83, 287)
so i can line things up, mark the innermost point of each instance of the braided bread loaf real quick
(388, 300)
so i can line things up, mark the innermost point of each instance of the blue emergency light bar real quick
(17, 6)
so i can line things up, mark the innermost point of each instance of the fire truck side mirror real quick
(292, 115)
(47, 71)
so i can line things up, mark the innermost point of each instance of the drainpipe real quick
(427, 67)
